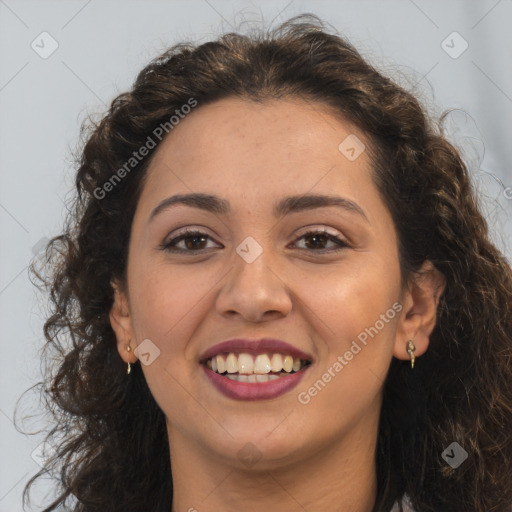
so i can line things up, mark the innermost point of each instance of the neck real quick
(339, 477)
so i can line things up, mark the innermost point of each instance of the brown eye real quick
(193, 241)
(317, 241)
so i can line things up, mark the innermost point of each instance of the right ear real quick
(121, 322)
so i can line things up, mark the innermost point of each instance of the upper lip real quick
(260, 346)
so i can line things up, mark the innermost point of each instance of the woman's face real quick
(253, 272)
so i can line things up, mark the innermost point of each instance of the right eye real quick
(193, 242)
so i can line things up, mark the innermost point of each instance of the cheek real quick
(357, 343)
(351, 296)
(166, 309)
(161, 301)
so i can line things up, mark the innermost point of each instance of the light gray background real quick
(102, 46)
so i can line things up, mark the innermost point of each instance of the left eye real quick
(194, 241)
(323, 237)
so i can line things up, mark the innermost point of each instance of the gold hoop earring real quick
(410, 349)
(129, 368)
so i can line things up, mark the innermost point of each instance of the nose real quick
(254, 291)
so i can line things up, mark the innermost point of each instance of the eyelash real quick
(167, 246)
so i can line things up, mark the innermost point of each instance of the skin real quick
(317, 456)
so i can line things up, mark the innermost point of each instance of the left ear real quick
(419, 314)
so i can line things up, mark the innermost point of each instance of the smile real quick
(246, 367)
(245, 376)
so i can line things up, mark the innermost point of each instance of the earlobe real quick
(121, 322)
(419, 315)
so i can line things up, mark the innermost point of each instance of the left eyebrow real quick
(286, 205)
(292, 204)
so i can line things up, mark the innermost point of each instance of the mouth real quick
(254, 369)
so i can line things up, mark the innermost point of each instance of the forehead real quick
(235, 144)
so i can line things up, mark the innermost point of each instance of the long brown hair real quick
(460, 391)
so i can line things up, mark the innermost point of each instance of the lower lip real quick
(254, 390)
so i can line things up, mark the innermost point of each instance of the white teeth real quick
(245, 363)
(232, 363)
(288, 363)
(262, 364)
(276, 363)
(221, 367)
(251, 378)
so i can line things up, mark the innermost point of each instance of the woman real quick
(281, 294)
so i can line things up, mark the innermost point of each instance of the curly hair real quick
(460, 392)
